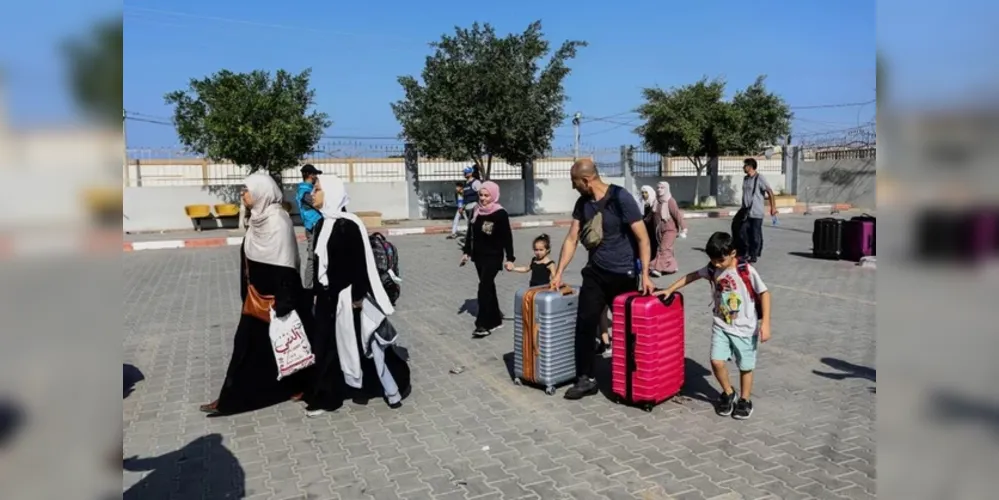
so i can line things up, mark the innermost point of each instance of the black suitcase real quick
(827, 238)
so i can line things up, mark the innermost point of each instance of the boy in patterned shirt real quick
(741, 319)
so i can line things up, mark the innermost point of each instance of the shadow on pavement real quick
(470, 306)
(809, 255)
(129, 377)
(953, 408)
(697, 382)
(204, 468)
(11, 421)
(846, 370)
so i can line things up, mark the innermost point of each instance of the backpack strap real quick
(743, 269)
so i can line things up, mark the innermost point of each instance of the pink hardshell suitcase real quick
(858, 238)
(647, 367)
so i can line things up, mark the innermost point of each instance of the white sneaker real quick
(314, 413)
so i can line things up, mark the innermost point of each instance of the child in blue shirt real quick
(459, 188)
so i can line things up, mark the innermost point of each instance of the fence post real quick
(527, 174)
(413, 198)
(789, 166)
(627, 155)
(138, 173)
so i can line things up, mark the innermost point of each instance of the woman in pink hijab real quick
(669, 224)
(489, 244)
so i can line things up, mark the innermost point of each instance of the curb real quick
(440, 229)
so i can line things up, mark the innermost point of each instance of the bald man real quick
(611, 268)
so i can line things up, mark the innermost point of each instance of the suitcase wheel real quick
(550, 390)
(516, 381)
(648, 407)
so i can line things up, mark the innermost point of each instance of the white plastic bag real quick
(292, 350)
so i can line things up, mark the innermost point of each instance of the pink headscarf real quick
(493, 206)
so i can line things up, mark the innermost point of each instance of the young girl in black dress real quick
(542, 266)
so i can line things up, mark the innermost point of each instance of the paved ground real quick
(475, 434)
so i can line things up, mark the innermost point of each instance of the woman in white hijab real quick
(669, 223)
(354, 343)
(269, 279)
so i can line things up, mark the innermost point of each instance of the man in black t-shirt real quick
(611, 268)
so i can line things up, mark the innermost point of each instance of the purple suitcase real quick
(858, 238)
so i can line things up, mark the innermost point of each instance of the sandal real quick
(210, 408)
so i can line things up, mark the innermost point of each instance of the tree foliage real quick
(95, 71)
(485, 96)
(251, 119)
(696, 122)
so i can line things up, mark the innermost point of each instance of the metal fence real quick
(366, 162)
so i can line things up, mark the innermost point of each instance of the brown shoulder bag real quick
(256, 305)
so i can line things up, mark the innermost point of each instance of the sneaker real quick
(608, 352)
(655, 274)
(314, 412)
(584, 386)
(724, 407)
(452, 236)
(481, 332)
(743, 410)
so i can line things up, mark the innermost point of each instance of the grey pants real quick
(308, 269)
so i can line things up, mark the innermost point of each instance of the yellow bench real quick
(227, 210)
(198, 213)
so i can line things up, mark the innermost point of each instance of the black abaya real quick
(251, 380)
(347, 267)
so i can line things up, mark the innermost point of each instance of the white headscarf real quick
(335, 199)
(270, 237)
(662, 200)
(650, 196)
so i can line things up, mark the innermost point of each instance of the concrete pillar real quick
(527, 175)
(414, 195)
(627, 164)
(712, 171)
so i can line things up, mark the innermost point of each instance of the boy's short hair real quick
(749, 162)
(459, 184)
(719, 245)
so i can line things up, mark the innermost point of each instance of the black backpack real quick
(387, 263)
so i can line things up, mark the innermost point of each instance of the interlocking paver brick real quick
(475, 434)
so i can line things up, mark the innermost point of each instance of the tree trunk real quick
(478, 163)
(489, 166)
(698, 167)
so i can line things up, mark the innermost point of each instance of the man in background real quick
(310, 217)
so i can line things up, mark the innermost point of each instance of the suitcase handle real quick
(668, 299)
(564, 289)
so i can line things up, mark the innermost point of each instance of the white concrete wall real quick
(162, 208)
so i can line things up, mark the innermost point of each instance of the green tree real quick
(95, 71)
(485, 96)
(691, 121)
(696, 122)
(762, 119)
(250, 119)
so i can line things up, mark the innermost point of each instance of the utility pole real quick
(124, 144)
(575, 128)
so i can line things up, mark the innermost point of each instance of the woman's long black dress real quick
(488, 240)
(347, 267)
(251, 381)
(649, 218)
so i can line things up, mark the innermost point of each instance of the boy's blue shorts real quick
(725, 346)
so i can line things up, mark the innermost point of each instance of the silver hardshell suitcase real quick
(550, 343)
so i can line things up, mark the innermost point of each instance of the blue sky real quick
(813, 53)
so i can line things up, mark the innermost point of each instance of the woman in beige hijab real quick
(269, 280)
